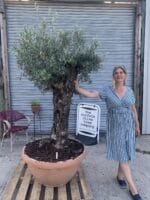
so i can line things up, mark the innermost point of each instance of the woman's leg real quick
(120, 173)
(125, 168)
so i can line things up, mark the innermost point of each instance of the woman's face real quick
(119, 76)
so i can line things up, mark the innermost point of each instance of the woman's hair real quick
(119, 67)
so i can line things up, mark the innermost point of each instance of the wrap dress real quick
(120, 124)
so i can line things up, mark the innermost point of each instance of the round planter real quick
(53, 174)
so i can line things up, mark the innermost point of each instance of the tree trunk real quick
(62, 96)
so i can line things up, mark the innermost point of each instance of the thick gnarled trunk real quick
(61, 100)
(62, 96)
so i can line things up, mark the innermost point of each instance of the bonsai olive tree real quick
(53, 60)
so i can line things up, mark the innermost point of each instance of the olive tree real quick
(53, 60)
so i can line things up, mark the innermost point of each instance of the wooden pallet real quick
(23, 186)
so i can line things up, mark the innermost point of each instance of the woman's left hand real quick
(137, 131)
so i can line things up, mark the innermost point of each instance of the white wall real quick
(146, 86)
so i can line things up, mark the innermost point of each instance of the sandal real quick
(122, 183)
(135, 196)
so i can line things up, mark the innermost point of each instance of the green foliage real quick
(48, 58)
(35, 103)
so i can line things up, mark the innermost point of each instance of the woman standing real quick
(122, 125)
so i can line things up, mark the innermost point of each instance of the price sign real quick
(88, 119)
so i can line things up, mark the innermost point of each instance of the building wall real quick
(146, 85)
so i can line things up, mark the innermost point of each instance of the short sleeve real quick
(132, 96)
(103, 92)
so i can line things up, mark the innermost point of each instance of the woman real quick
(122, 125)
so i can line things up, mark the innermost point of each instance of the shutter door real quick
(113, 27)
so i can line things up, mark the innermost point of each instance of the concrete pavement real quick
(100, 173)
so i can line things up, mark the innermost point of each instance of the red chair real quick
(13, 122)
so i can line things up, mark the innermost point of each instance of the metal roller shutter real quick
(113, 27)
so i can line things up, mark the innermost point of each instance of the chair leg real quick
(11, 141)
(3, 139)
(98, 138)
(27, 139)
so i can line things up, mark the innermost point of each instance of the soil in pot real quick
(44, 150)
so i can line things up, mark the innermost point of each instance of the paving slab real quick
(101, 173)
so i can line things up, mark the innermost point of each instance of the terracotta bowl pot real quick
(53, 174)
(35, 109)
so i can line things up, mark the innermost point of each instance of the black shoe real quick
(122, 183)
(135, 196)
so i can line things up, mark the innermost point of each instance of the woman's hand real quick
(76, 83)
(77, 87)
(137, 127)
(137, 131)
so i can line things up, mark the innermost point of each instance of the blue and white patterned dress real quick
(120, 124)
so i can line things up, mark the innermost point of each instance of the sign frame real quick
(88, 120)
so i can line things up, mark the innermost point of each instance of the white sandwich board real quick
(88, 120)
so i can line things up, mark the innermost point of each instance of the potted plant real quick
(53, 60)
(35, 106)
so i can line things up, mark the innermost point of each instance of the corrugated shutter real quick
(113, 27)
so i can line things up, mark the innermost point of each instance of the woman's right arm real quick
(86, 93)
